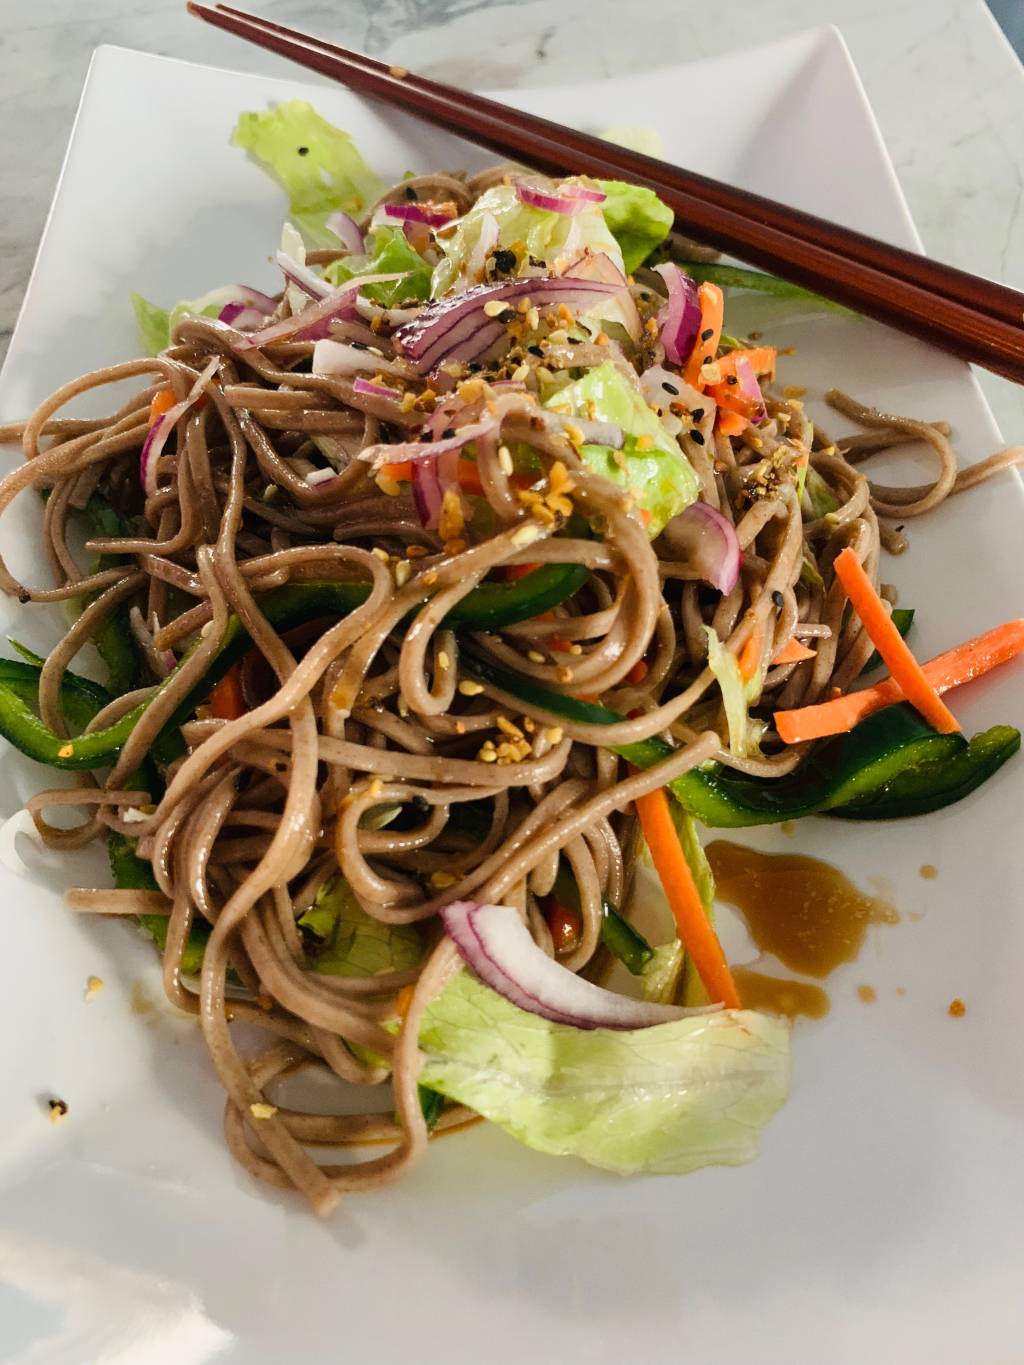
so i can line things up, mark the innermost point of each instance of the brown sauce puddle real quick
(802, 911)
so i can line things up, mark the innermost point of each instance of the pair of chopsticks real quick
(977, 320)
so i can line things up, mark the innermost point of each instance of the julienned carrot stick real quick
(712, 315)
(793, 652)
(952, 669)
(162, 401)
(750, 654)
(226, 699)
(696, 932)
(895, 651)
(762, 360)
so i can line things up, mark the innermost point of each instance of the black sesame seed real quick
(706, 336)
(504, 260)
(420, 803)
(535, 350)
(707, 360)
(303, 151)
(359, 345)
(670, 388)
(410, 192)
(697, 414)
(731, 379)
(57, 1106)
(778, 599)
(447, 434)
(24, 596)
(901, 526)
(697, 437)
(474, 367)
(508, 316)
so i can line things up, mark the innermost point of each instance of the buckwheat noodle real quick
(374, 714)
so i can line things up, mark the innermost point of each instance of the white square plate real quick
(882, 1220)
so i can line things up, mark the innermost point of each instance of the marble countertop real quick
(947, 89)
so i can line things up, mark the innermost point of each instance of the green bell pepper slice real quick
(891, 744)
(488, 606)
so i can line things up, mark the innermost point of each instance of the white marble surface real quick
(946, 87)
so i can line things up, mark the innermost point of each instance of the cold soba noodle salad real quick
(441, 597)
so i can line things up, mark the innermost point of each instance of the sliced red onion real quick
(495, 943)
(371, 390)
(302, 277)
(347, 232)
(708, 541)
(567, 199)
(313, 323)
(413, 211)
(242, 316)
(168, 659)
(427, 492)
(424, 450)
(679, 318)
(457, 327)
(749, 389)
(156, 436)
(596, 265)
(316, 477)
(341, 359)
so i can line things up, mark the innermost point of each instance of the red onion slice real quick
(495, 943)
(314, 286)
(341, 358)
(242, 316)
(679, 318)
(708, 541)
(413, 211)
(567, 199)
(316, 478)
(313, 323)
(371, 390)
(423, 450)
(156, 436)
(427, 492)
(347, 231)
(458, 327)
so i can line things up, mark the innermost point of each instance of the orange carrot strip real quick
(731, 423)
(226, 700)
(638, 672)
(696, 932)
(951, 669)
(403, 1001)
(762, 360)
(750, 654)
(162, 401)
(401, 472)
(517, 571)
(895, 651)
(468, 476)
(712, 315)
(793, 652)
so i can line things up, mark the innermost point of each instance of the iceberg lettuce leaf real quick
(538, 233)
(668, 1099)
(353, 942)
(660, 477)
(738, 694)
(318, 165)
(388, 253)
(636, 218)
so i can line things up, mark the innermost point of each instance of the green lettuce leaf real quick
(669, 1099)
(317, 164)
(538, 233)
(353, 943)
(156, 324)
(820, 497)
(661, 975)
(637, 219)
(646, 140)
(661, 478)
(738, 693)
(389, 253)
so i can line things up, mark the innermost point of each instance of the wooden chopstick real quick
(976, 319)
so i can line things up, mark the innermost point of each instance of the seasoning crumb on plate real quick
(58, 1110)
(263, 1111)
(93, 986)
(957, 1008)
(928, 871)
(867, 993)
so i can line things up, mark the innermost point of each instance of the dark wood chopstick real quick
(976, 319)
